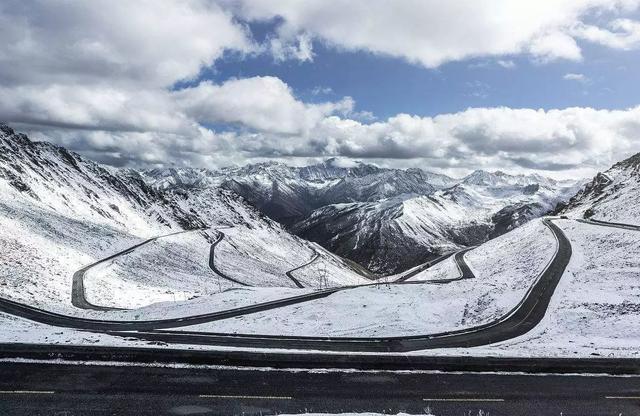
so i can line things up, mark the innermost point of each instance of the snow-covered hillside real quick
(595, 310)
(393, 234)
(611, 196)
(60, 212)
(288, 194)
(505, 268)
(385, 219)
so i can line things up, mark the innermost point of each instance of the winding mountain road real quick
(78, 292)
(518, 321)
(424, 266)
(290, 275)
(610, 224)
(212, 264)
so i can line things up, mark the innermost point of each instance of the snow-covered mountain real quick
(384, 219)
(613, 195)
(60, 212)
(289, 194)
(394, 234)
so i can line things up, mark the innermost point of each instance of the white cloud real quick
(262, 103)
(301, 49)
(572, 141)
(98, 77)
(622, 34)
(555, 45)
(432, 32)
(568, 142)
(576, 77)
(146, 42)
(508, 64)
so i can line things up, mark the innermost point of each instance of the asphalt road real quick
(55, 389)
(610, 224)
(463, 268)
(518, 321)
(212, 264)
(290, 275)
(78, 295)
(423, 267)
(521, 319)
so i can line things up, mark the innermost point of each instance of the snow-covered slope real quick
(611, 196)
(505, 268)
(385, 219)
(60, 212)
(595, 310)
(288, 194)
(394, 234)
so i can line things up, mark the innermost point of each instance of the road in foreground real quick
(39, 389)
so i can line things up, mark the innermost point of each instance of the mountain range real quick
(384, 219)
(387, 220)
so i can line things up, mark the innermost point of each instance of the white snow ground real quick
(595, 310)
(394, 310)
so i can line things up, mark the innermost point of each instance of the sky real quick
(549, 86)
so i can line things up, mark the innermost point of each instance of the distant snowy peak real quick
(289, 193)
(499, 178)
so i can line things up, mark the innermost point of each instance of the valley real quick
(142, 262)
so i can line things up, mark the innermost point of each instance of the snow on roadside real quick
(41, 249)
(396, 310)
(172, 268)
(595, 310)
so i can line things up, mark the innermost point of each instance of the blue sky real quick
(548, 86)
(387, 86)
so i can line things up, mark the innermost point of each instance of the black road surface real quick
(290, 275)
(424, 267)
(212, 264)
(58, 389)
(518, 321)
(521, 319)
(610, 224)
(463, 267)
(78, 295)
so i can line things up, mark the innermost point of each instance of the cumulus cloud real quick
(568, 142)
(147, 42)
(573, 140)
(582, 78)
(621, 34)
(432, 32)
(262, 103)
(104, 78)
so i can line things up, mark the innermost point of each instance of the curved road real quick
(78, 292)
(424, 266)
(610, 224)
(521, 319)
(518, 321)
(289, 274)
(212, 264)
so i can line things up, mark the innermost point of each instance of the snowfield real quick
(595, 310)
(415, 309)
(611, 196)
(60, 212)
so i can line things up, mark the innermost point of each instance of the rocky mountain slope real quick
(385, 219)
(289, 194)
(613, 195)
(394, 234)
(60, 212)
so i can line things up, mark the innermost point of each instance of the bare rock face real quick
(612, 195)
(384, 219)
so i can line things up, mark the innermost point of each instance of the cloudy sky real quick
(451, 86)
